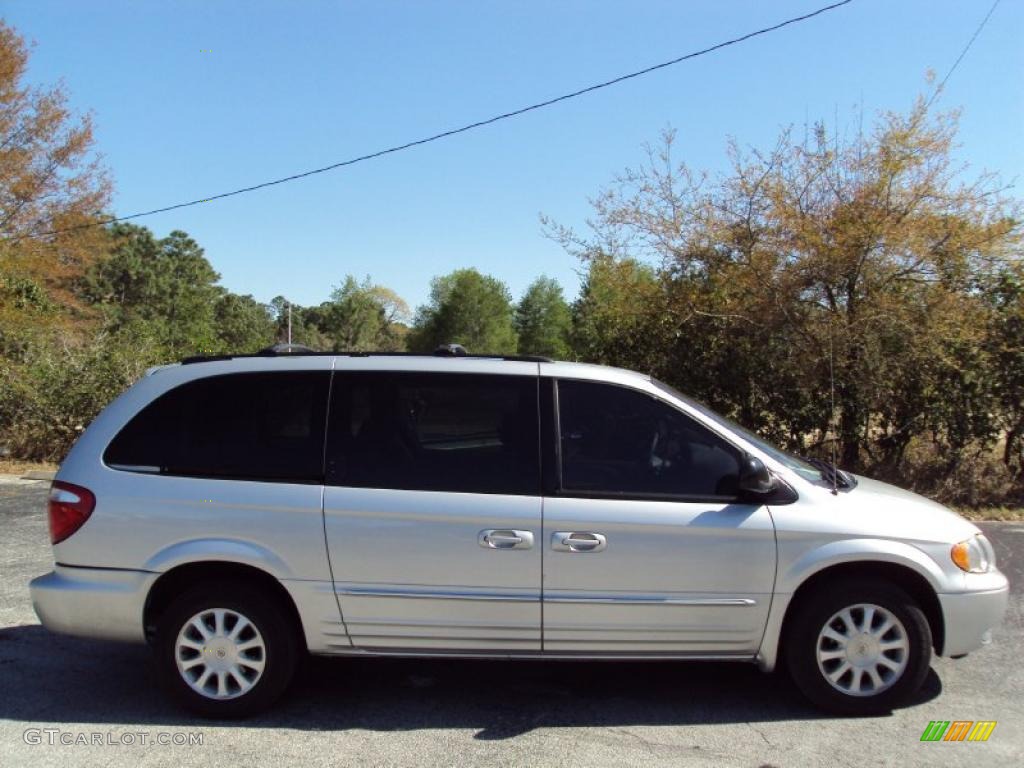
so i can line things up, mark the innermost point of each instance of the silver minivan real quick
(237, 512)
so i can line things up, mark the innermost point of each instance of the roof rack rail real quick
(451, 350)
(205, 359)
(297, 351)
(287, 349)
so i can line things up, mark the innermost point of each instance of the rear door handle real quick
(504, 538)
(578, 541)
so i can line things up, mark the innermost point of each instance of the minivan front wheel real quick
(224, 652)
(859, 648)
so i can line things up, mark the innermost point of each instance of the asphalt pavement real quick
(65, 701)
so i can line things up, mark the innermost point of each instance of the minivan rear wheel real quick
(225, 651)
(858, 648)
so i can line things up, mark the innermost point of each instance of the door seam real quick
(323, 503)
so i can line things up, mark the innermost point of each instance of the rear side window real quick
(621, 442)
(434, 432)
(251, 426)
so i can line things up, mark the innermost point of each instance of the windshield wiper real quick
(830, 473)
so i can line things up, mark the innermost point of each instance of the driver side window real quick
(621, 442)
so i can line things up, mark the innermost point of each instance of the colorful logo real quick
(958, 730)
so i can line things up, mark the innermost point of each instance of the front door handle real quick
(578, 541)
(503, 538)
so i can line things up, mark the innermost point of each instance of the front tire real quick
(858, 648)
(225, 651)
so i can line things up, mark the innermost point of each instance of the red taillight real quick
(70, 507)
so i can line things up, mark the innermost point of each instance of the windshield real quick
(798, 465)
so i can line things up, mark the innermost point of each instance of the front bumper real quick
(970, 617)
(99, 603)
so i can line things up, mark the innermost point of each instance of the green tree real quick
(466, 308)
(189, 292)
(543, 320)
(163, 285)
(364, 316)
(306, 323)
(242, 324)
(612, 317)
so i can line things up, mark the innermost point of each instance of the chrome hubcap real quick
(220, 653)
(863, 650)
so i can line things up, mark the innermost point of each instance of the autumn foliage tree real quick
(866, 261)
(50, 179)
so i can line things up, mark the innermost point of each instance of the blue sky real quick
(290, 86)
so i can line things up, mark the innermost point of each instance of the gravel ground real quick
(462, 713)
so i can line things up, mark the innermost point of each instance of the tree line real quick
(853, 297)
(161, 294)
(465, 307)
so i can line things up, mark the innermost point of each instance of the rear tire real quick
(858, 648)
(225, 651)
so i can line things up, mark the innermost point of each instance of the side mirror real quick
(755, 479)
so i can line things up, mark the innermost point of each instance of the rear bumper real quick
(104, 604)
(970, 617)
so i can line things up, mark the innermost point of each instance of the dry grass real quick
(1004, 514)
(18, 467)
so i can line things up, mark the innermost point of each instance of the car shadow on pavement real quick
(47, 678)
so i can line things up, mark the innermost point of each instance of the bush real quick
(50, 396)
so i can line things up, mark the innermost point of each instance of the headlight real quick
(974, 555)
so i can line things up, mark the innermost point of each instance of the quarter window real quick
(434, 432)
(252, 426)
(618, 441)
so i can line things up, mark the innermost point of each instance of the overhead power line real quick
(453, 131)
(963, 53)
